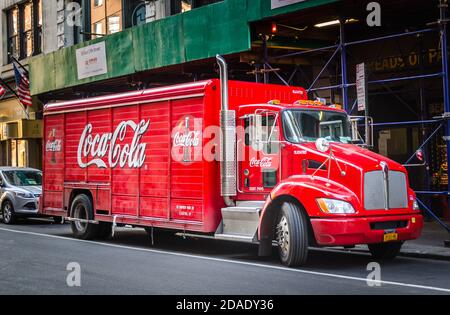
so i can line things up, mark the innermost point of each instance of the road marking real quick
(157, 251)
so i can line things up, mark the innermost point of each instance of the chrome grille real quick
(375, 195)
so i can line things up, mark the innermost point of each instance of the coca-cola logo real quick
(96, 147)
(190, 139)
(53, 146)
(264, 162)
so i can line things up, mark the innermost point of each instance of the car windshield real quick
(23, 178)
(309, 125)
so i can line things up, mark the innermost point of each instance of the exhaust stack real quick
(228, 139)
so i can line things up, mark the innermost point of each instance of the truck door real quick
(259, 153)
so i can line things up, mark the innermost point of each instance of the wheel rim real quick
(283, 236)
(80, 212)
(7, 213)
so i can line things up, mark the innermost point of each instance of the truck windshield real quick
(309, 125)
(23, 178)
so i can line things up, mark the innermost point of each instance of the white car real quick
(20, 189)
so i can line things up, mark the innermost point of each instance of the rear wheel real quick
(292, 235)
(9, 217)
(385, 250)
(82, 209)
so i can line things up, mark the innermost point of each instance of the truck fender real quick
(303, 190)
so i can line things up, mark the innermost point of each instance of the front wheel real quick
(292, 235)
(82, 209)
(385, 250)
(9, 217)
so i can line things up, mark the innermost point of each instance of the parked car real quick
(20, 189)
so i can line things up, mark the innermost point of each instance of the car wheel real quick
(9, 216)
(292, 235)
(82, 209)
(385, 250)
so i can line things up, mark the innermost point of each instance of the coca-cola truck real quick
(238, 161)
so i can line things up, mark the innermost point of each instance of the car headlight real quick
(334, 206)
(24, 195)
(416, 205)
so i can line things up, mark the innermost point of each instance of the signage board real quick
(275, 4)
(91, 61)
(361, 86)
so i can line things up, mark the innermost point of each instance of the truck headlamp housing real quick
(333, 206)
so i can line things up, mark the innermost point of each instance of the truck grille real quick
(375, 195)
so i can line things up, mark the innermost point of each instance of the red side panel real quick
(54, 161)
(154, 175)
(187, 166)
(75, 123)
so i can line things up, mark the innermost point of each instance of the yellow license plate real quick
(390, 237)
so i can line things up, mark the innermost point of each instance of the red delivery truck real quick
(240, 161)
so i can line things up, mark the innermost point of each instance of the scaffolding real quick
(438, 123)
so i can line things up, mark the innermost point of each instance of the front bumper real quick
(364, 230)
(26, 206)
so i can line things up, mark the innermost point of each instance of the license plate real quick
(390, 237)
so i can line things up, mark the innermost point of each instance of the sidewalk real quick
(430, 244)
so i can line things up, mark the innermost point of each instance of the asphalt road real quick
(35, 253)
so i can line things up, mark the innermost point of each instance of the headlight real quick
(334, 206)
(416, 205)
(24, 195)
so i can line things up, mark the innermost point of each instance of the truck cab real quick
(316, 186)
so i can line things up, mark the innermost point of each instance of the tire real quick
(385, 250)
(104, 230)
(9, 217)
(292, 235)
(58, 220)
(81, 208)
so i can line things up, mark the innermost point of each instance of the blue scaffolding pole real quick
(443, 27)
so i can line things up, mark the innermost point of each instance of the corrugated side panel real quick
(101, 124)
(125, 180)
(154, 176)
(75, 123)
(187, 178)
(54, 161)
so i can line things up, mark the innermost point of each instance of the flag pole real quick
(18, 62)
(3, 82)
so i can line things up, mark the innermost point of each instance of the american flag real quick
(23, 86)
(2, 91)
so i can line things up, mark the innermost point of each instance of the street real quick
(36, 252)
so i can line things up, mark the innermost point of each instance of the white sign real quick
(282, 3)
(361, 86)
(96, 147)
(91, 61)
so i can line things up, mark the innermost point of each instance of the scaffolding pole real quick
(443, 27)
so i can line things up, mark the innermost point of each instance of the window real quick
(180, 6)
(98, 29)
(13, 32)
(107, 18)
(309, 125)
(24, 29)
